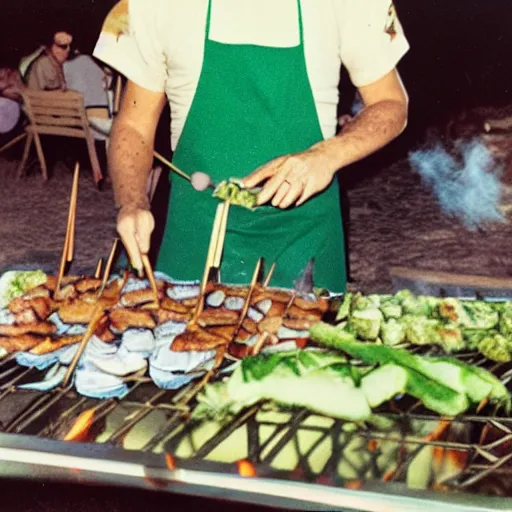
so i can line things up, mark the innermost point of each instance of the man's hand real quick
(293, 179)
(135, 226)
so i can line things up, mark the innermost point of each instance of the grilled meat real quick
(164, 315)
(313, 315)
(48, 345)
(123, 318)
(42, 328)
(77, 312)
(197, 339)
(21, 343)
(271, 324)
(137, 298)
(173, 305)
(250, 326)
(88, 284)
(298, 324)
(217, 317)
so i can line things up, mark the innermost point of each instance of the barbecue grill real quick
(291, 459)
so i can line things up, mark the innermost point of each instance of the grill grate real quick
(471, 453)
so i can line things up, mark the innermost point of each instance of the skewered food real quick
(178, 351)
(233, 192)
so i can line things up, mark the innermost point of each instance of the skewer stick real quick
(164, 160)
(67, 250)
(72, 216)
(262, 338)
(117, 94)
(96, 317)
(102, 306)
(209, 260)
(269, 275)
(222, 234)
(108, 266)
(247, 303)
(151, 277)
(99, 266)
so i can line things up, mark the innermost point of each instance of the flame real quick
(354, 485)
(246, 469)
(373, 445)
(81, 427)
(436, 434)
(389, 475)
(169, 460)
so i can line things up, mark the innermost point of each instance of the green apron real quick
(252, 104)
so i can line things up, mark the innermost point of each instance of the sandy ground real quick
(394, 220)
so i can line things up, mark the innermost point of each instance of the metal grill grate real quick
(471, 453)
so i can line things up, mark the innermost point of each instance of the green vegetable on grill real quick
(17, 282)
(393, 332)
(451, 324)
(444, 385)
(319, 381)
(326, 383)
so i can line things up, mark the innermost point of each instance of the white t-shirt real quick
(159, 44)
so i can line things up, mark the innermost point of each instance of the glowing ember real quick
(246, 469)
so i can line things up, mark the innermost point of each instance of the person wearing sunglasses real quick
(46, 72)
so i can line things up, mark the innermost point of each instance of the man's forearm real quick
(373, 128)
(129, 160)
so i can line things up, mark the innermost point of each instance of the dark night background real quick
(461, 50)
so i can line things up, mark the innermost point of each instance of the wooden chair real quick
(57, 113)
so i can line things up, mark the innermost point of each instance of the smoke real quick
(468, 188)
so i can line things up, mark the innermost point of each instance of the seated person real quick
(10, 84)
(46, 73)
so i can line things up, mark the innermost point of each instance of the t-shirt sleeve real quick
(372, 40)
(129, 43)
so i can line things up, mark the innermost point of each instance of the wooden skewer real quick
(221, 352)
(101, 307)
(269, 275)
(151, 277)
(99, 266)
(169, 164)
(96, 317)
(247, 303)
(67, 251)
(222, 234)
(262, 338)
(108, 266)
(117, 94)
(212, 248)
(74, 198)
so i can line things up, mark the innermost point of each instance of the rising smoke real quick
(468, 187)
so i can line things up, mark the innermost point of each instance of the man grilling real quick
(253, 90)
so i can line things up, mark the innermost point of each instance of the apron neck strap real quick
(299, 11)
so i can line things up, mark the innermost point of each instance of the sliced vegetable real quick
(446, 386)
(366, 323)
(319, 381)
